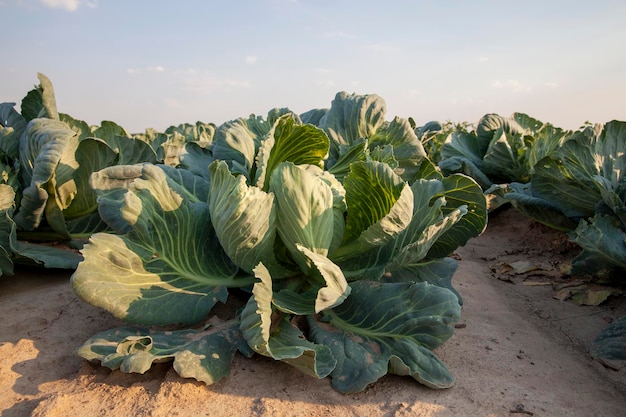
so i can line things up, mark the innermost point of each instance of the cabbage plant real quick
(47, 157)
(500, 150)
(336, 240)
(581, 189)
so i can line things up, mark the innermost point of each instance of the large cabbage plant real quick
(333, 233)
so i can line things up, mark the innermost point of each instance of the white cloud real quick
(251, 59)
(511, 85)
(136, 71)
(158, 68)
(69, 5)
(483, 59)
(194, 80)
(515, 86)
(204, 82)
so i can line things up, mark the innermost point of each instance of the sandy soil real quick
(517, 351)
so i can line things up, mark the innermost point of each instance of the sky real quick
(153, 64)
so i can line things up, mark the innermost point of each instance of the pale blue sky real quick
(156, 63)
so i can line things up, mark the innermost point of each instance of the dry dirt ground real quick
(517, 351)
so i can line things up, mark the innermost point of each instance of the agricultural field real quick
(326, 263)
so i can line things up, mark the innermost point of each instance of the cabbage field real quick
(329, 234)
